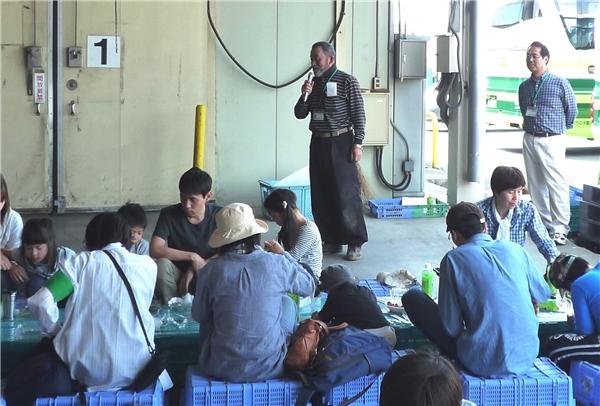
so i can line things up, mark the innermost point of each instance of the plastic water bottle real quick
(427, 280)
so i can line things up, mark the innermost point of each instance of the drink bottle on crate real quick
(427, 277)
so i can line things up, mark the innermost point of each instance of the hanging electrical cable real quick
(116, 25)
(405, 182)
(250, 75)
(450, 80)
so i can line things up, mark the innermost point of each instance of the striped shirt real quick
(555, 102)
(341, 109)
(308, 249)
(525, 218)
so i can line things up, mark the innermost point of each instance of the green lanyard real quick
(539, 87)
(328, 79)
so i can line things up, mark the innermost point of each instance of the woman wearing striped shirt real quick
(298, 235)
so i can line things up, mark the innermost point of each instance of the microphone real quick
(309, 79)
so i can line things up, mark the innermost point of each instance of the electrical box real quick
(377, 110)
(75, 57)
(410, 59)
(446, 54)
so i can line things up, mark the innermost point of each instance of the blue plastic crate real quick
(575, 196)
(543, 385)
(152, 396)
(586, 382)
(393, 208)
(201, 391)
(377, 288)
(340, 393)
(302, 196)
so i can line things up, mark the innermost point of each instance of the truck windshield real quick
(579, 21)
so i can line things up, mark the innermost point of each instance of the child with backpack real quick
(36, 260)
(353, 304)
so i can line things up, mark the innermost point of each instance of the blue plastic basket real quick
(200, 391)
(377, 288)
(586, 382)
(575, 196)
(341, 393)
(152, 396)
(393, 208)
(302, 196)
(543, 385)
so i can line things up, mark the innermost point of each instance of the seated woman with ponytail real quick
(298, 236)
(576, 275)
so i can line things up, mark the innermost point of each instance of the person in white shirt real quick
(11, 227)
(100, 341)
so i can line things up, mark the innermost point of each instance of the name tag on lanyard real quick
(331, 89)
(531, 111)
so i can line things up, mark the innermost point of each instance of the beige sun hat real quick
(234, 223)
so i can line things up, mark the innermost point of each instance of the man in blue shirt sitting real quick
(488, 290)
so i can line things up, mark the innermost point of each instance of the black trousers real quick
(424, 313)
(335, 191)
(41, 374)
(562, 349)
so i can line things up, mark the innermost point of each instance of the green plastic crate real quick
(393, 208)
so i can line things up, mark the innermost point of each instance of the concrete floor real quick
(393, 243)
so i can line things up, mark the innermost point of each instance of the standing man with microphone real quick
(337, 124)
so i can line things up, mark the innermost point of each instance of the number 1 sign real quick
(103, 51)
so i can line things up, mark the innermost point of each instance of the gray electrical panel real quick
(410, 58)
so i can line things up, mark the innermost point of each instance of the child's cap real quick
(335, 275)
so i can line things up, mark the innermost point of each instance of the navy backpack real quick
(343, 356)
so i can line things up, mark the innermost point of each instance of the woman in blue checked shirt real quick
(510, 218)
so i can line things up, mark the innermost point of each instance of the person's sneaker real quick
(560, 239)
(354, 253)
(329, 248)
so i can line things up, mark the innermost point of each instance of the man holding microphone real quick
(337, 124)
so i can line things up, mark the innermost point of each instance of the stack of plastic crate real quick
(151, 396)
(201, 391)
(586, 382)
(589, 216)
(543, 385)
(575, 196)
(339, 394)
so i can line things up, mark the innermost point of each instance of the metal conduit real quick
(476, 90)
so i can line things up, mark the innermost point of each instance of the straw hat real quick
(234, 223)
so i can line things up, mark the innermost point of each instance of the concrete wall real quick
(257, 135)
(132, 134)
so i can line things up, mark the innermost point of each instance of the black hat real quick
(559, 269)
(335, 275)
(461, 213)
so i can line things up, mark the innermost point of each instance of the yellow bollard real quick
(199, 136)
(434, 131)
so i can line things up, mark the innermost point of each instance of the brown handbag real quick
(305, 342)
